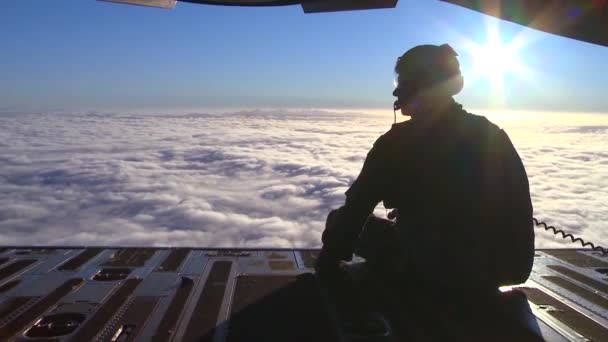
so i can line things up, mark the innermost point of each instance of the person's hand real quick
(336, 244)
(327, 263)
(331, 270)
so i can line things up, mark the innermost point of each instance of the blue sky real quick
(84, 54)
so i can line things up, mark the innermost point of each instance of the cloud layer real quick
(260, 178)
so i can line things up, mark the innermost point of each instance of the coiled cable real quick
(565, 235)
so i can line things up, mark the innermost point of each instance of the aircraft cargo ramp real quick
(190, 294)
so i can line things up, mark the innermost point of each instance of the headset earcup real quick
(449, 87)
(455, 85)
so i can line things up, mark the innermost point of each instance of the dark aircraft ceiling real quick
(584, 20)
(309, 6)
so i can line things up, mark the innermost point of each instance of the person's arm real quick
(344, 224)
(506, 207)
(518, 216)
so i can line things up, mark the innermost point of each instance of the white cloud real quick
(247, 179)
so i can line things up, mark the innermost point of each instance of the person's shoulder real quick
(481, 122)
(399, 126)
(394, 134)
(399, 129)
(492, 135)
(479, 119)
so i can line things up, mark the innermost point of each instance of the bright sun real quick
(495, 60)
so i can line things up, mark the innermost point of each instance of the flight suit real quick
(462, 194)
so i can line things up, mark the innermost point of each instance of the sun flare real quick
(495, 60)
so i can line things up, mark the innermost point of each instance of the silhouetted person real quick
(464, 218)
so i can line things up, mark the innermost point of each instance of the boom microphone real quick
(396, 107)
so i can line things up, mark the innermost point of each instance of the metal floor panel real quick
(233, 295)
